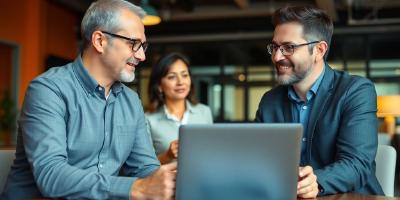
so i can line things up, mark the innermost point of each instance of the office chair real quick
(6, 159)
(384, 138)
(385, 168)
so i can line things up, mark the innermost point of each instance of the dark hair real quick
(159, 71)
(317, 25)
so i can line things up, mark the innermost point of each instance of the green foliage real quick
(7, 112)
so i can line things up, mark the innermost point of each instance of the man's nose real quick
(277, 55)
(140, 55)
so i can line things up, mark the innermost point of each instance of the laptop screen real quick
(238, 161)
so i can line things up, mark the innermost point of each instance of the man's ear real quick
(98, 41)
(321, 50)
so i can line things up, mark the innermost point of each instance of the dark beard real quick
(293, 78)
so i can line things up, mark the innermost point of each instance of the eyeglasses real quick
(286, 49)
(136, 43)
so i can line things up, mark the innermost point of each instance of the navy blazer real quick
(342, 131)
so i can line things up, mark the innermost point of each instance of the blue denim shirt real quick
(301, 112)
(73, 143)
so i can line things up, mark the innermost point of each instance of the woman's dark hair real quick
(159, 71)
(317, 25)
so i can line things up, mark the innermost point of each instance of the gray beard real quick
(294, 78)
(126, 77)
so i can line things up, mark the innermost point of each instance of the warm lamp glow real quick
(389, 108)
(151, 17)
(150, 20)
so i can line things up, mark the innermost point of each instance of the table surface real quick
(354, 196)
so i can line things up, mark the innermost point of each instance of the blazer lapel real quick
(287, 107)
(323, 94)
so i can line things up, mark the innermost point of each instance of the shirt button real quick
(101, 166)
(106, 133)
(304, 139)
(304, 107)
(100, 88)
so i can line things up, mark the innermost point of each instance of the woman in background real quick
(172, 104)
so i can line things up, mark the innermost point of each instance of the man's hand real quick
(307, 186)
(159, 185)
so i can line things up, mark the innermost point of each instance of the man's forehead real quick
(288, 32)
(132, 24)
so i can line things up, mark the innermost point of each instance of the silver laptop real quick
(238, 161)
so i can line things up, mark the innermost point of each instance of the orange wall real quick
(61, 31)
(5, 68)
(39, 28)
(20, 24)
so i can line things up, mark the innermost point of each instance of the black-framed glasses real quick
(286, 49)
(136, 43)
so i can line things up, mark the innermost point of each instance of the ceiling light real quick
(151, 17)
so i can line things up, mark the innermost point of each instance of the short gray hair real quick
(104, 15)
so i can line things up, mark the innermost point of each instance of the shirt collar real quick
(88, 82)
(317, 83)
(83, 76)
(117, 87)
(189, 108)
(312, 92)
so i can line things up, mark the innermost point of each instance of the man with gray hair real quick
(82, 133)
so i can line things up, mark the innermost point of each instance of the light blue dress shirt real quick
(73, 143)
(301, 112)
(164, 128)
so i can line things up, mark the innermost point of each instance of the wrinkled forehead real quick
(131, 25)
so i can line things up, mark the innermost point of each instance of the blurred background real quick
(224, 39)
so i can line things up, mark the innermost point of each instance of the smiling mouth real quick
(131, 64)
(282, 69)
(180, 90)
(283, 66)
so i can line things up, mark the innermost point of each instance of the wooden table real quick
(354, 196)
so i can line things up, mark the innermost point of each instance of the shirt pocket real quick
(125, 139)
